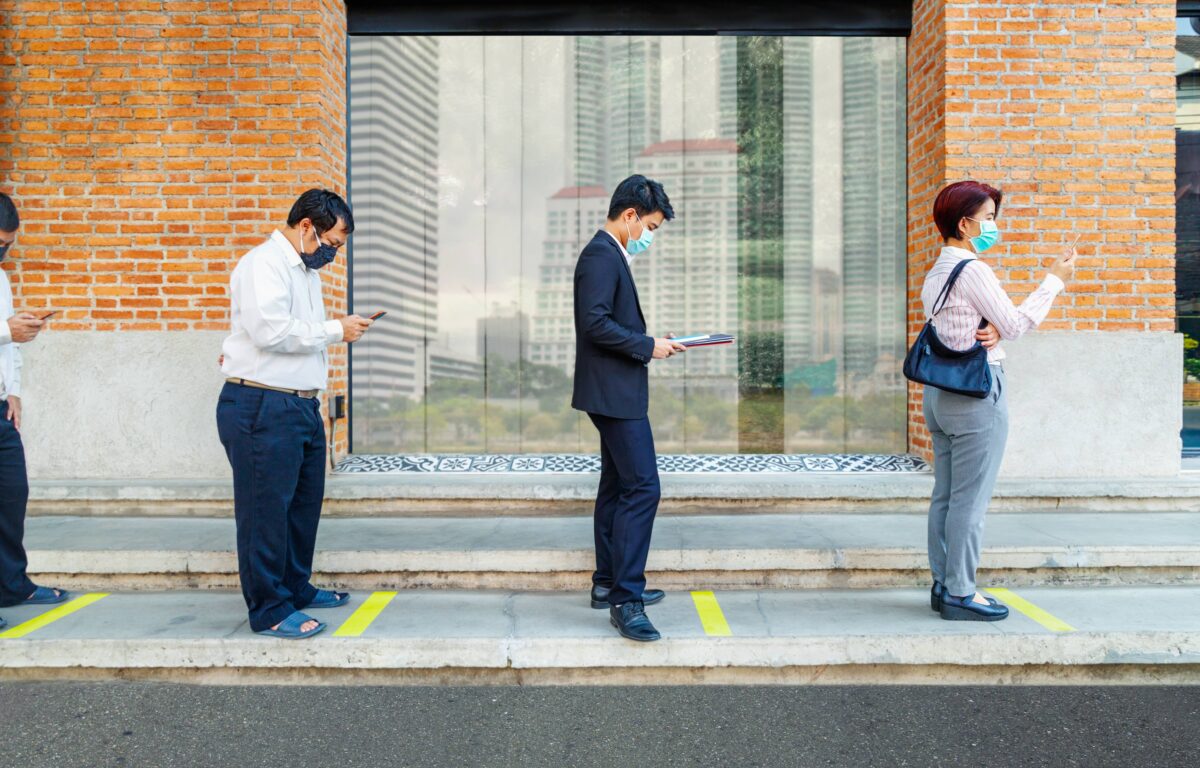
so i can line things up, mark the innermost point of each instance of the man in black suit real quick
(611, 384)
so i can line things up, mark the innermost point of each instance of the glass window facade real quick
(480, 166)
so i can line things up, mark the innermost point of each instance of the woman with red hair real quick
(969, 433)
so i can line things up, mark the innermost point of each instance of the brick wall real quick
(150, 144)
(1068, 107)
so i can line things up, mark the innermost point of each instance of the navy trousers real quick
(276, 445)
(626, 503)
(15, 585)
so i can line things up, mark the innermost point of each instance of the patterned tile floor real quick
(584, 463)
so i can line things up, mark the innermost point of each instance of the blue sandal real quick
(47, 596)
(329, 599)
(289, 628)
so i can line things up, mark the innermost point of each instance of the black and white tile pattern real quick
(584, 463)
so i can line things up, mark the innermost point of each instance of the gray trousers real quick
(968, 444)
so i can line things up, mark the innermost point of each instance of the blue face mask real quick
(634, 247)
(989, 235)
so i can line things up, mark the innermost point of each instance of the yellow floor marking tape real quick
(51, 616)
(710, 614)
(1047, 620)
(366, 613)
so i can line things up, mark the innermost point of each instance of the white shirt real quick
(978, 294)
(628, 258)
(10, 351)
(280, 333)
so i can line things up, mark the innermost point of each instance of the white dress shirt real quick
(978, 294)
(280, 333)
(628, 258)
(10, 351)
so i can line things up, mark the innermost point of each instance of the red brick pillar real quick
(150, 144)
(1069, 109)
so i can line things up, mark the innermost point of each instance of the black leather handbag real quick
(931, 362)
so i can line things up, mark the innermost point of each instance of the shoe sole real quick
(275, 634)
(631, 637)
(955, 613)
(605, 604)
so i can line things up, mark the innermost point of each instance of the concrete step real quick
(742, 551)
(1055, 635)
(480, 494)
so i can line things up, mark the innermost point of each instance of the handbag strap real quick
(944, 296)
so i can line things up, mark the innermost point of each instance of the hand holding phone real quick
(1064, 266)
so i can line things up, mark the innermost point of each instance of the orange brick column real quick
(150, 144)
(1068, 107)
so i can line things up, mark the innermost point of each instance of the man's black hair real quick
(9, 220)
(323, 208)
(643, 195)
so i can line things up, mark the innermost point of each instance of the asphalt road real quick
(151, 725)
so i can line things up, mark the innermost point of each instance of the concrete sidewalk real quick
(556, 552)
(1055, 633)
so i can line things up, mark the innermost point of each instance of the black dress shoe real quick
(966, 609)
(938, 589)
(631, 621)
(600, 596)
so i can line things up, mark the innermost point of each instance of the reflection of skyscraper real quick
(613, 112)
(572, 217)
(727, 87)
(826, 315)
(687, 283)
(503, 334)
(393, 179)
(797, 200)
(873, 210)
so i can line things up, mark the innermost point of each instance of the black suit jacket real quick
(612, 349)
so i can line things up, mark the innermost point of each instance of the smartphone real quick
(49, 314)
(377, 315)
(1071, 248)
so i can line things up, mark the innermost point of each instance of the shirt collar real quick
(625, 253)
(289, 250)
(958, 253)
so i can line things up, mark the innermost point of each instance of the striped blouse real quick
(979, 294)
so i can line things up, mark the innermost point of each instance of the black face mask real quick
(320, 257)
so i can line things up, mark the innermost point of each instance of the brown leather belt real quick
(310, 393)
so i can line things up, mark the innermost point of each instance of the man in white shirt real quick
(269, 415)
(15, 329)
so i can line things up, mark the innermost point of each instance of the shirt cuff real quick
(1054, 284)
(334, 330)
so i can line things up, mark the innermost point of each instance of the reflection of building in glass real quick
(727, 87)
(873, 162)
(826, 315)
(393, 161)
(613, 112)
(797, 200)
(445, 365)
(687, 281)
(572, 217)
(503, 334)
